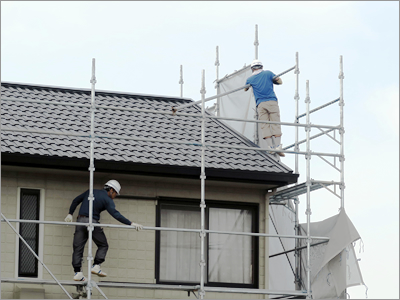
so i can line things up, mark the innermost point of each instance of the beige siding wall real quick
(131, 255)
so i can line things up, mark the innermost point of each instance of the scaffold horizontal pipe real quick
(104, 284)
(173, 142)
(211, 98)
(318, 108)
(313, 181)
(152, 286)
(42, 281)
(271, 150)
(272, 122)
(164, 229)
(44, 102)
(103, 106)
(46, 132)
(284, 72)
(303, 141)
(178, 114)
(254, 291)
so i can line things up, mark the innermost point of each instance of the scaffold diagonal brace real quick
(37, 257)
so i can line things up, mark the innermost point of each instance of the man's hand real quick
(277, 80)
(68, 218)
(138, 226)
(246, 89)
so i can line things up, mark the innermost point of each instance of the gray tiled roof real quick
(68, 119)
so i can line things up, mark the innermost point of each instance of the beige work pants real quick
(269, 111)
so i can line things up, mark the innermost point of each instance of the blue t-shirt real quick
(263, 86)
(101, 202)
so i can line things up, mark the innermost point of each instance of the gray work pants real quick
(81, 236)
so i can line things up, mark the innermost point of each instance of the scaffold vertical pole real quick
(341, 130)
(296, 148)
(91, 170)
(181, 81)
(297, 98)
(216, 80)
(297, 243)
(256, 43)
(203, 178)
(308, 183)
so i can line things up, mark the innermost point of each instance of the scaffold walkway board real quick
(104, 284)
(297, 190)
(43, 281)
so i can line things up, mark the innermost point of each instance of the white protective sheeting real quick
(334, 265)
(281, 267)
(239, 104)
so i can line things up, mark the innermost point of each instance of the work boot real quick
(279, 147)
(272, 148)
(79, 276)
(97, 270)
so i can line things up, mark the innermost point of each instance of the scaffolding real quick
(282, 195)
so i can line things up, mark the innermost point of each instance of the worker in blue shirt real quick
(103, 200)
(267, 104)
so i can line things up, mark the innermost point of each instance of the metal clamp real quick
(308, 212)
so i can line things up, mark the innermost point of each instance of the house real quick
(43, 172)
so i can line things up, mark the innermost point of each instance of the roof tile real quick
(123, 123)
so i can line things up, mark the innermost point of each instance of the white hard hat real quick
(113, 184)
(255, 63)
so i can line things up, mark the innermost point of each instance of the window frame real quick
(40, 236)
(252, 207)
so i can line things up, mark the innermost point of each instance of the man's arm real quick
(73, 206)
(78, 200)
(116, 214)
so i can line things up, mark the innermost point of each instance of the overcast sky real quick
(139, 47)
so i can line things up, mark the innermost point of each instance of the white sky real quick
(139, 47)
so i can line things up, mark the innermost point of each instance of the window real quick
(231, 260)
(29, 209)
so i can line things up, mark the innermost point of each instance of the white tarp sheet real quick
(334, 265)
(281, 267)
(239, 104)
